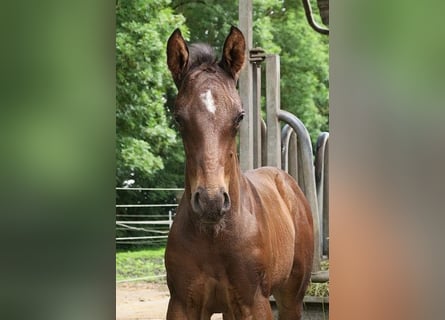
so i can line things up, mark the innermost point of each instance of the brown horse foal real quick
(236, 238)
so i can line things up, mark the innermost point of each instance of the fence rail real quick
(147, 227)
(149, 189)
(145, 222)
(146, 205)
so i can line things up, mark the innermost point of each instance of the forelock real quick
(201, 53)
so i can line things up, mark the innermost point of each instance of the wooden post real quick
(273, 135)
(245, 88)
(256, 117)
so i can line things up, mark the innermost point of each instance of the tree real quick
(148, 152)
(144, 133)
(305, 71)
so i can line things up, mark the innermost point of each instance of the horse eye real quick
(240, 117)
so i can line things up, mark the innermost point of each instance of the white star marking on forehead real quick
(207, 99)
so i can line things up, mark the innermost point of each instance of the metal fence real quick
(144, 223)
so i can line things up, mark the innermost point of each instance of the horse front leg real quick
(260, 310)
(178, 311)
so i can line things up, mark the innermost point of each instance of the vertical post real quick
(273, 135)
(245, 88)
(256, 117)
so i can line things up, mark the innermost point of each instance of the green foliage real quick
(304, 71)
(144, 134)
(281, 28)
(208, 21)
(147, 148)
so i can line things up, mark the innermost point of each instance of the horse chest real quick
(218, 288)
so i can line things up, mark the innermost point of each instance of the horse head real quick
(208, 112)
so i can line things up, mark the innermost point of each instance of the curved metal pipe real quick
(310, 18)
(289, 152)
(322, 181)
(285, 138)
(263, 143)
(320, 166)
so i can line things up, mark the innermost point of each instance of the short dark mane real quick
(201, 53)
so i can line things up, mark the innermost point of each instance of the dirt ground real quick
(143, 300)
(149, 301)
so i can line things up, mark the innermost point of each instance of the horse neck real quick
(235, 184)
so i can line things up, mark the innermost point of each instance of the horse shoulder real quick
(281, 184)
(277, 218)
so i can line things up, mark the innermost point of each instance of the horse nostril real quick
(226, 203)
(209, 206)
(195, 202)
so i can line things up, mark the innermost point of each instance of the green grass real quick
(140, 263)
(143, 263)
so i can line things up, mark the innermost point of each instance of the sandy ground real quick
(143, 300)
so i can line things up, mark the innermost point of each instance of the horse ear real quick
(177, 56)
(233, 53)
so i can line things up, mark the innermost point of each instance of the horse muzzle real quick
(210, 206)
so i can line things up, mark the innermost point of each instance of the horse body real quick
(236, 238)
